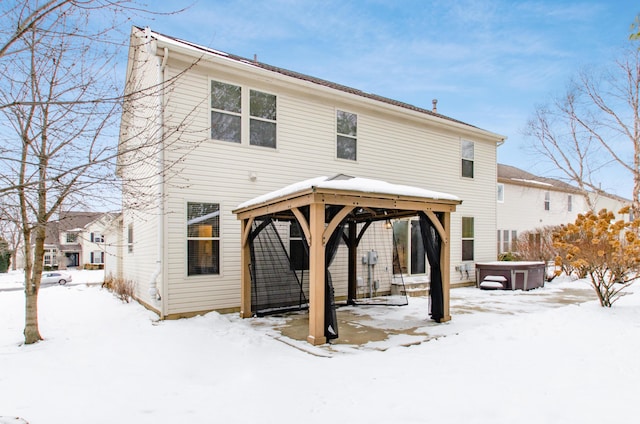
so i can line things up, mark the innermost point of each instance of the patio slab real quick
(368, 327)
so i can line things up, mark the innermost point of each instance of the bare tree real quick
(60, 106)
(25, 16)
(10, 229)
(595, 124)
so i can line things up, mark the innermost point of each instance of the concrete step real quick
(411, 289)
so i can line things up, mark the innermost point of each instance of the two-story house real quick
(204, 131)
(76, 239)
(527, 202)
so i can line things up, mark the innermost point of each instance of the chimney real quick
(255, 58)
(435, 105)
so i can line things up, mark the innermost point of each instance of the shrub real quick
(508, 256)
(605, 250)
(92, 267)
(121, 288)
(537, 245)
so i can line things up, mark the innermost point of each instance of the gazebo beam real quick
(316, 275)
(340, 216)
(445, 267)
(245, 276)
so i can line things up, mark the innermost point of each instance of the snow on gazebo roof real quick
(342, 182)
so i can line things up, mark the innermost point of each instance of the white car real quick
(54, 277)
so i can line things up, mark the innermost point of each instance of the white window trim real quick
(130, 238)
(547, 201)
(245, 115)
(220, 239)
(336, 134)
(409, 243)
(93, 255)
(462, 238)
(472, 160)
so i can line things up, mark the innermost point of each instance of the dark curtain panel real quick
(433, 244)
(330, 319)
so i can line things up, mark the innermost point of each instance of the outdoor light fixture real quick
(388, 225)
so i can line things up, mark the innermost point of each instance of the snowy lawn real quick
(506, 357)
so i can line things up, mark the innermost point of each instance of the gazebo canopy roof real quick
(373, 199)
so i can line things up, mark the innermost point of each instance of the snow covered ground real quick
(506, 357)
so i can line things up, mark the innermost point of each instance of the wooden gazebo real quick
(320, 205)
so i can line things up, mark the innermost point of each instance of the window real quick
(467, 158)
(226, 109)
(569, 203)
(203, 238)
(51, 257)
(500, 194)
(297, 251)
(227, 102)
(97, 257)
(467, 238)
(97, 238)
(409, 256)
(507, 245)
(547, 201)
(535, 241)
(262, 124)
(72, 237)
(507, 240)
(130, 238)
(347, 131)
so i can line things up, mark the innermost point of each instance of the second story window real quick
(226, 109)
(72, 237)
(262, 124)
(236, 112)
(97, 238)
(468, 157)
(569, 203)
(347, 133)
(547, 201)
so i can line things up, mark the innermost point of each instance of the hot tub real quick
(517, 275)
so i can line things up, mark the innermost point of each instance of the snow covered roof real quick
(346, 183)
(511, 174)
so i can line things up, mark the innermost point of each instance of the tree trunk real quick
(31, 330)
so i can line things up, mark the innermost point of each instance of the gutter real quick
(154, 293)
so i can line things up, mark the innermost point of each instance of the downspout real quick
(154, 293)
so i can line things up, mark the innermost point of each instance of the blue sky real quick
(489, 63)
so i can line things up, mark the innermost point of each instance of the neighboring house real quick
(113, 247)
(527, 202)
(76, 239)
(232, 129)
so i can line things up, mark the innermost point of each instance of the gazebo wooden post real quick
(316, 274)
(245, 275)
(353, 260)
(445, 267)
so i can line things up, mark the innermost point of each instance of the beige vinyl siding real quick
(391, 146)
(140, 181)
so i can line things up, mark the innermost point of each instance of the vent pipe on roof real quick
(255, 58)
(435, 105)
